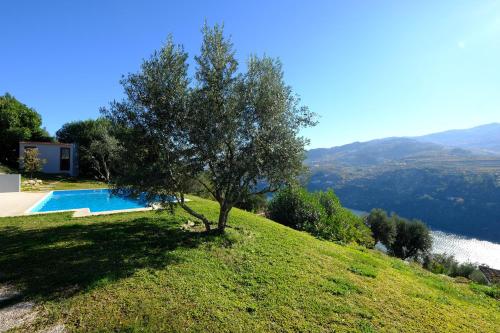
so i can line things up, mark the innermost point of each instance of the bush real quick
(296, 208)
(319, 213)
(448, 265)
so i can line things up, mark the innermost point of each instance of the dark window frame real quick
(64, 163)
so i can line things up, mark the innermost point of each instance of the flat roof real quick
(45, 143)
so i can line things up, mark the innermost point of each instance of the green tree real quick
(97, 146)
(383, 227)
(101, 155)
(239, 129)
(412, 239)
(17, 123)
(31, 162)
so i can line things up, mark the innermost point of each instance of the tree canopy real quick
(412, 239)
(383, 227)
(239, 129)
(18, 122)
(97, 146)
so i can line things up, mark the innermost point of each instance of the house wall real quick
(51, 153)
(10, 183)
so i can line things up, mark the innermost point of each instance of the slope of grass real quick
(143, 272)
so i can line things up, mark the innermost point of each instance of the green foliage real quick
(383, 227)
(412, 239)
(18, 122)
(319, 213)
(253, 203)
(448, 265)
(296, 208)
(5, 169)
(98, 148)
(363, 270)
(491, 291)
(445, 193)
(239, 130)
(478, 277)
(31, 162)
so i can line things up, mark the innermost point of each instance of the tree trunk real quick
(188, 209)
(223, 214)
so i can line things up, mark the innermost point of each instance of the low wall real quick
(10, 183)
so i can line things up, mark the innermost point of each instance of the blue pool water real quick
(99, 200)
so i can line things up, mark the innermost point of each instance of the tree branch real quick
(190, 211)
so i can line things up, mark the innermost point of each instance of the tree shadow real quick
(57, 262)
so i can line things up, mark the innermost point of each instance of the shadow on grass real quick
(58, 262)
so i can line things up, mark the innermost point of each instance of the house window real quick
(64, 162)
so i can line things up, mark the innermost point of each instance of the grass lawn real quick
(61, 182)
(142, 272)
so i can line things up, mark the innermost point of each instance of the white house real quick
(59, 157)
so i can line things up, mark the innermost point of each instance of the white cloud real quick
(461, 44)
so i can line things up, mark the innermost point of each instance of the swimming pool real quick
(98, 200)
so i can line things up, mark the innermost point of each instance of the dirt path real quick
(15, 312)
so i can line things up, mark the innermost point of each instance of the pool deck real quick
(17, 203)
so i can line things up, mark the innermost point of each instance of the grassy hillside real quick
(143, 272)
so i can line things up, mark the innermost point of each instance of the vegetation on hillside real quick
(407, 239)
(452, 190)
(151, 272)
(319, 213)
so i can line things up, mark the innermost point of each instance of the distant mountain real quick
(383, 151)
(484, 138)
(449, 187)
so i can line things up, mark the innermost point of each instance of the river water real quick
(467, 249)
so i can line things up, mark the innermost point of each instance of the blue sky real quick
(370, 69)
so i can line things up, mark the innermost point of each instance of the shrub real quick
(296, 208)
(448, 265)
(319, 213)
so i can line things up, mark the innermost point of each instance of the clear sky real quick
(370, 69)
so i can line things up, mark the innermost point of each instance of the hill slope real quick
(484, 138)
(141, 272)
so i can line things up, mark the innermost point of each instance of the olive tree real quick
(239, 129)
(383, 228)
(412, 239)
